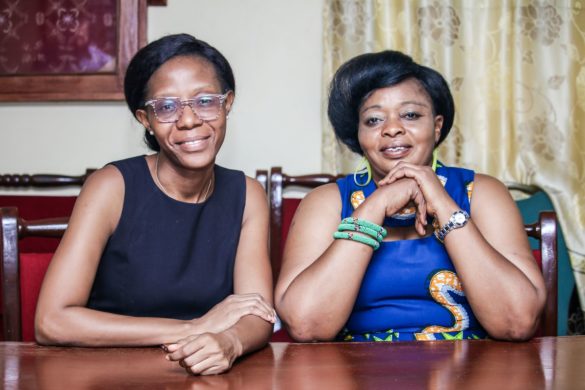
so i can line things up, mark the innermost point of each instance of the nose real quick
(188, 118)
(392, 127)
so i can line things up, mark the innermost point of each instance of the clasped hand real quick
(214, 348)
(414, 184)
(225, 314)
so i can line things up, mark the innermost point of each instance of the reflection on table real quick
(553, 362)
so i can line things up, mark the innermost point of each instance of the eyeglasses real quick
(170, 109)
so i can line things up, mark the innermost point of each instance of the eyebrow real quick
(201, 90)
(402, 104)
(190, 98)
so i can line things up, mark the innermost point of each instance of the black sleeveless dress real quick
(167, 258)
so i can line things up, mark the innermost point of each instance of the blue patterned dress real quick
(410, 290)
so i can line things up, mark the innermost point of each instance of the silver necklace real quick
(165, 190)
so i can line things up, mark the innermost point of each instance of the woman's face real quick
(397, 124)
(190, 141)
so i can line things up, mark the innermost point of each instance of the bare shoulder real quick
(323, 195)
(488, 182)
(107, 178)
(489, 190)
(321, 202)
(256, 200)
(101, 197)
(493, 209)
(255, 193)
(254, 188)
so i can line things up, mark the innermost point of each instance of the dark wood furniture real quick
(12, 229)
(543, 363)
(43, 180)
(544, 230)
(532, 199)
(280, 181)
(40, 204)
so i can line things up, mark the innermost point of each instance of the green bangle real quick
(365, 223)
(361, 228)
(358, 238)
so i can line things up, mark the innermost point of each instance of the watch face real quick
(459, 218)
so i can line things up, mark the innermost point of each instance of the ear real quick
(229, 100)
(142, 117)
(438, 126)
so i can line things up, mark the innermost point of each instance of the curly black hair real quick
(355, 80)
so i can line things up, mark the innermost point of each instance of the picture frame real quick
(97, 86)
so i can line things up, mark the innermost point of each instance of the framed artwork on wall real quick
(68, 50)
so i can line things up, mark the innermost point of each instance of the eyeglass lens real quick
(205, 107)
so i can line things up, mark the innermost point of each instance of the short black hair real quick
(355, 80)
(151, 57)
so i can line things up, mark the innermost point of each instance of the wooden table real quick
(554, 362)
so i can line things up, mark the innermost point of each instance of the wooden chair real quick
(22, 273)
(544, 230)
(282, 209)
(531, 200)
(39, 204)
(43, 180)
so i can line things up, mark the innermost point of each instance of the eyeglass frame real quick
(188, 102)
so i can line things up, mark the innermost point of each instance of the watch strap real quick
(452, 224)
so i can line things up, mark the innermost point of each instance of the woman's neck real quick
(194, 187)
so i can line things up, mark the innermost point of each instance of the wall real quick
(274, 47)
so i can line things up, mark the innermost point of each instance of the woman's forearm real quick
(317, 303)
(250, 333)
(81, 326)
(505, 299)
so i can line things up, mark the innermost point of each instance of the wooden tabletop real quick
(553, 362)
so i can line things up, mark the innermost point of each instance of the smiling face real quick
(397, 123)
(190, 142)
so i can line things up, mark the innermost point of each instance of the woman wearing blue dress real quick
(407, 248)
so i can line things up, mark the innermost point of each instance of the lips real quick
(193, 144)
(396, 151)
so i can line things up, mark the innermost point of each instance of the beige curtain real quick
(517, 73)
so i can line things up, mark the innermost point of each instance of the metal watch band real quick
(457, 220)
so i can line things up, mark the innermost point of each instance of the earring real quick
(434, 165)
(150, 132)
(363, 168)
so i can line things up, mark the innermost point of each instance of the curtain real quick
(517, 74)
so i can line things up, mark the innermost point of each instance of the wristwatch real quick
(458, 219)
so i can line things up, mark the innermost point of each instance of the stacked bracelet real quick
(373, 234)
(366, 224)
(361, 228)
(358, 238)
